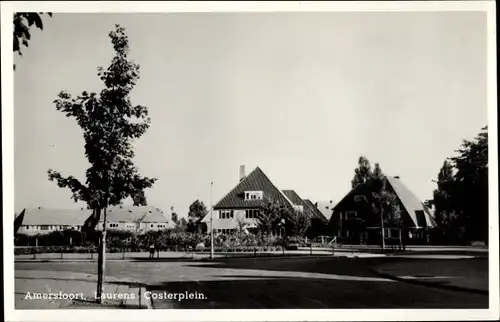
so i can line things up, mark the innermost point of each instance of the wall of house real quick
(228, 223)
(132, 226)
(45, 229)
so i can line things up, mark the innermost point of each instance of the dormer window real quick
(253, 195)
(351, 215)
(359, 198)
(299, 208)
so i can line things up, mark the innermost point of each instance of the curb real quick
(266, 257)
(138, 302)
(428, 284)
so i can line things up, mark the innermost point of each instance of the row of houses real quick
(40, 220)
(352, 218)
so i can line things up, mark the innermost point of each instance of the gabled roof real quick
(411, 202)
(296, 200)
(408, 199)
(255, 181)
(316, 211)
(326, 208)
(45, 216)
(134, 214)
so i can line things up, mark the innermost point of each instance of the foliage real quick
(269, 216)
(362, 173)
(175, 218)
(385, 205)
(197, 211)
(461, 197)
(240, 225)
(109, 122)
(54, 238)
(22, 24)
(442, 196)
(54, 249)
(182, 224)
(299, 222)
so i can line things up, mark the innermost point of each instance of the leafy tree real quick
(197, 211)
(269, 216)
(174, 216)
(362, 173)
(299, 222)
(22, 24)
(240, 225)
(471, 185)
(443, 195)
(377, 173)
(385, 205)
(109, 122)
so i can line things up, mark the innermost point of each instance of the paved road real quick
(277, 283)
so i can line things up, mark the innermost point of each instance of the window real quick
(113, 225)
(152, 225)
(253, 195)
(226, 214)
(27, 227)
(44, 227)
(299, 208)
(252, 213)
(351, 215)
(359, 198)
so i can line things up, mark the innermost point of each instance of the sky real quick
(301, 95)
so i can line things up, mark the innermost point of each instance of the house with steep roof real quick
(242, 205)
(32, 221)
(353, 216)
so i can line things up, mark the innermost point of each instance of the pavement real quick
(278, 282)
(138, 256)
(46, 289)
(468, 275)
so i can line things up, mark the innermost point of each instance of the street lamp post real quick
(211, 224)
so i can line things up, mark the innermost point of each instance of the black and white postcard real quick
(246, 161)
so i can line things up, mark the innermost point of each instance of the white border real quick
(7, 9)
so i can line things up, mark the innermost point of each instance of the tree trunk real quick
(101, 263)
(400, 238)
(382, 228)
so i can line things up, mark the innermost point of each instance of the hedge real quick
(171, 240)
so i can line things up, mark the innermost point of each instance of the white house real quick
(45, 220)
(138, 219)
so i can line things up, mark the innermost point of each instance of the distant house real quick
(326, 208)
(32, 221)
(353, 216)
(243, 204)
(318, 220)
(133, 218)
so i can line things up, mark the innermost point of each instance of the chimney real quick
(242, 172)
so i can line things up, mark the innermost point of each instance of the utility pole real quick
(211, 224)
